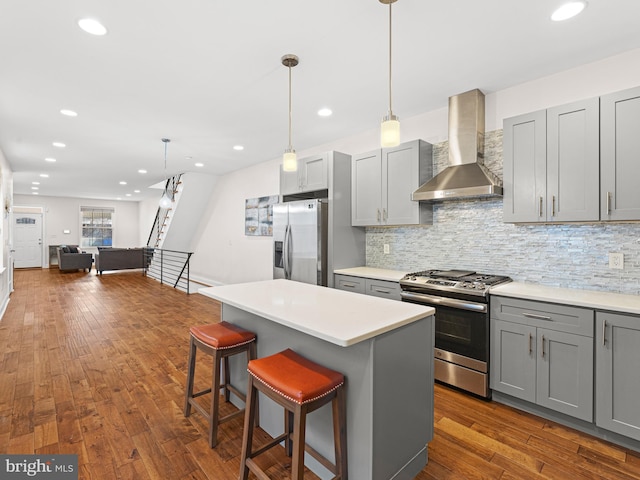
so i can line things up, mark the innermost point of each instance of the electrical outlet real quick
(385, 248)
(616, 260)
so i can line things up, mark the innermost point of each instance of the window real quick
(97, 227)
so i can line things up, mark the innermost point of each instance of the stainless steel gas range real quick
(461, 300)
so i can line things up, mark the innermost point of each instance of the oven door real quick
(462, 328)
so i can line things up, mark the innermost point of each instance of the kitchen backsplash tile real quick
(471, 234)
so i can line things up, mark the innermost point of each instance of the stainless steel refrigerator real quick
(300, 241)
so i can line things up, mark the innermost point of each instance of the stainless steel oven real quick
(461, 300)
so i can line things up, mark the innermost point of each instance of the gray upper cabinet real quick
(617, 374)
(620, 155)
(543, 353)
(551, 164)
(383, 181)
(311, 175)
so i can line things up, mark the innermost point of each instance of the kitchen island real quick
(383, 347)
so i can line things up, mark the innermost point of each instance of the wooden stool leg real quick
(227, 379)
(247, 434)
(190, 377)
(299, 427)
(339, 406)
(215, 401)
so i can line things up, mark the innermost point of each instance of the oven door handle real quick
(445, 302)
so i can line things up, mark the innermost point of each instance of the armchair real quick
(72, 258)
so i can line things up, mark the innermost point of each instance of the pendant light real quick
(390, 127)
(167, 198)
(289, 159)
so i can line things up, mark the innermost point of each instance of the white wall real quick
(6, 192)
(223, 254)
(63, 213)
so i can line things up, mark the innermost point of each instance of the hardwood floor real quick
(96, 366)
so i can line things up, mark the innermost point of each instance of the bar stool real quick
(300, 386)
(220, 340)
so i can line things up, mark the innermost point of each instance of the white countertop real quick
(570, 296)
(375, 273)
(339, 317)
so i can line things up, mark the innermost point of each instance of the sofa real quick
(119, 259)
(70, 257)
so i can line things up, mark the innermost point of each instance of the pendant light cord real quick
(390, 110)
(290, 114)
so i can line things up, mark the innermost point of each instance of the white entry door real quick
(27, 240)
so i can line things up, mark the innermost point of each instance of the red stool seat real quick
(221, 341)
(295, 377)
(222, 335)
(300, 386)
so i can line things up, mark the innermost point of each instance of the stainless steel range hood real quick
(466, 175)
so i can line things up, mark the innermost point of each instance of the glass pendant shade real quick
(390, 131)
(290, 161)
(165, 201)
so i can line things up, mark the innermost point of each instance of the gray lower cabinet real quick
(543, 353)
(552, 164)
(620, 154)
(368, 286)
(618, 373)
(383, 181)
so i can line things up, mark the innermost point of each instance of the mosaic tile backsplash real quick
(470, 234)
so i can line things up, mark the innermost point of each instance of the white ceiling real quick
(207, 75)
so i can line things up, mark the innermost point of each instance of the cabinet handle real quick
(378, 215)
(349, 285)
(541, 206)
(608, 203)
(553, 205)
(384, 214)
(533, 315)
(530, 347)
(380, 290)
(604, 333)
(542, 346)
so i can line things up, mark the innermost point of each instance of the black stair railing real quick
(170, 267)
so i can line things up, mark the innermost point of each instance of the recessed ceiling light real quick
(59, 144)
(238, 147)
(199, 164)
(136, 191)
(123, 183)
(142, 170)
(92, 26)
(49, 159)
(44, 175)
(34, 193)
(127, 194)
(35, 183)
(68, 113)
(325, 112)
(35, 188)
(568, 10)
(118, 198)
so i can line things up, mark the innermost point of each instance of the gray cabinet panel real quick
(383, 289)
(573, 162)
(311, 175)
(366, 190)
(565, 373)
(513, 363)
(618, 373)
(349, 283)
(620, 162)
(399, 180)
(525, 167)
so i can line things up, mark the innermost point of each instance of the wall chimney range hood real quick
(466, 176)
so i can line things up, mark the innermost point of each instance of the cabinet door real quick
(289, 182)
(383, 289)
(349, 283)
(513, 359)
(573, 162)
(314, 173)
(365, 191)
(618, 373)
(620, 161)
(565, 373)
(399, 180)
(525, 171)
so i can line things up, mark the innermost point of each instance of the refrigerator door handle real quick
(287, 252)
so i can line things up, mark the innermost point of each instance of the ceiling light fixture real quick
(199, 164)
(390, 127)
(44, 175)
(92, 26)
(325, 112)
(568, 10)
(289, 159)
(50, 160)
(167, 198)
(238, 148)
(59, 144)
(68, 113)
(142, 170)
